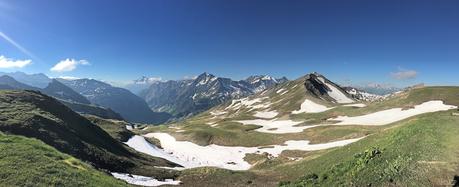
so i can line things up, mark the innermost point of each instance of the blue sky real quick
(384, 41)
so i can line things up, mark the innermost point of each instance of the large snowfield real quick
(392, 115)
(191, 155)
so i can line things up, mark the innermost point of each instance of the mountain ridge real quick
(190, 96)
(128, 105)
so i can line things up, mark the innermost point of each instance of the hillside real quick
(38, 80)
(316, 133)
(59, 90)
(30, 162)
(12, 83)
(106, 113)
(66, 95)
(35, 115)
(129, 106)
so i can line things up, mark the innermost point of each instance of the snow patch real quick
(335, 93)
(310, 107)
(266, 114)
(249, 103)
(143, 181)
(276, 126)
(392, 115)
(280, 90)
(218, 113)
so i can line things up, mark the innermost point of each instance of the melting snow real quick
(335, 93)
(392, 115)
(217, 113)
(237, 103)
(280, 90)
(277, 126)
(191, 155)
(310, 107)
(143, 181)
(266, 114)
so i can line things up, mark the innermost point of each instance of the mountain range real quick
(183, 98)
(90, 97)
(130, 106)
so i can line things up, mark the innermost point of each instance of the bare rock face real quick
(319, 86)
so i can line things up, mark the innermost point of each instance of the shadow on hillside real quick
(456, 181)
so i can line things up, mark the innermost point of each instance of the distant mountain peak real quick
(205, 78)
(147, 80)
(39, 80)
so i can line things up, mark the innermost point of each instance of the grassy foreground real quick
(30, 162)
(417, 152)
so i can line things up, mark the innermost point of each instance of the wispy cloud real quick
(17, 45)
(403, 74)
(68, 65)
(12, 63)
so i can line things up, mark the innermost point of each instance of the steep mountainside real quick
(54, 89)
(10, 82)
(35, 115)
(122, 101)
(187, 97)
(66, 95)
(90, 109)
(38, 80)
(59, 90)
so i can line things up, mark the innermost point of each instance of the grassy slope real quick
(116, 129)
(36, 115)
(30, 162)
(417, 152)
(106, 113)
(418, 135)
(228, 132)
(421, 151)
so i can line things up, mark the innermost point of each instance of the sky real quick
(396, 42)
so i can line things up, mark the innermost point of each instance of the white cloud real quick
(11, 63)
(402, 74)
(68, 65)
